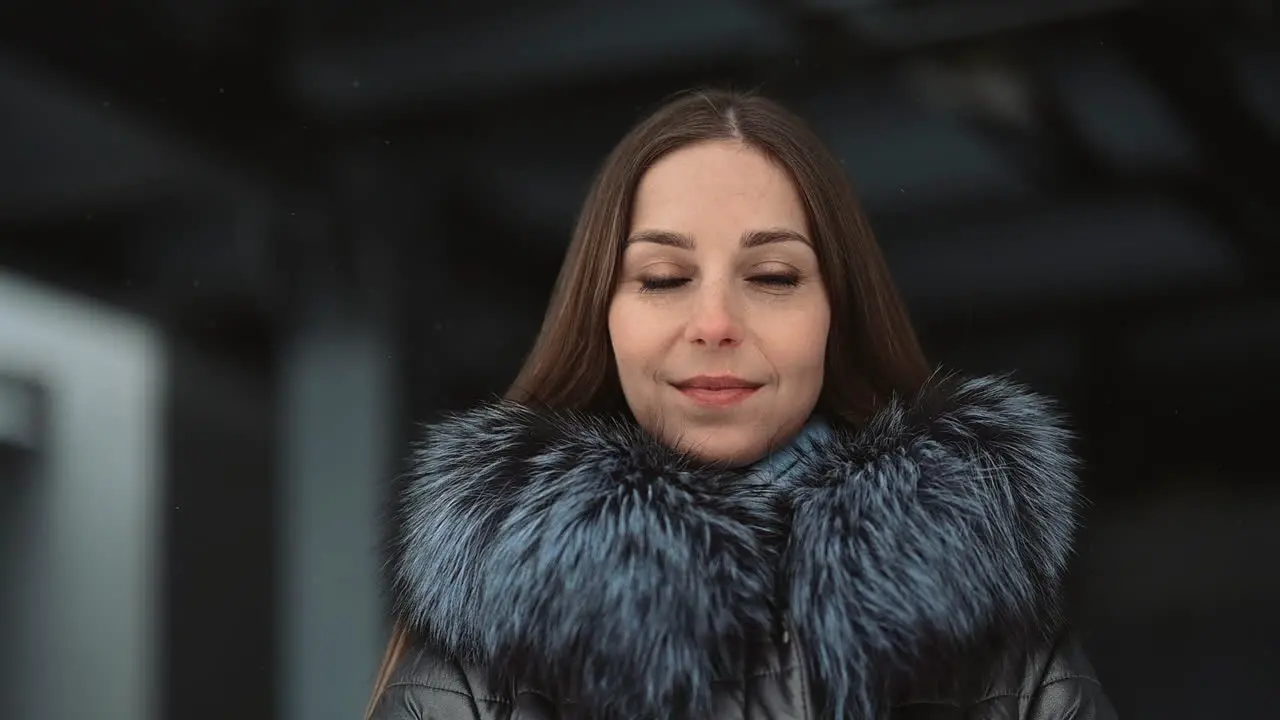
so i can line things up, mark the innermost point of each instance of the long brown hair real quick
(872, 351)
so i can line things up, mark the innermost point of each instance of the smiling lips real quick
(717, 390)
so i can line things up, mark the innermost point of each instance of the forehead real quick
(715, 187)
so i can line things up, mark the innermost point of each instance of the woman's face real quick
(719, 321)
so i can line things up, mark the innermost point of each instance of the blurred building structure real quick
(246, 245)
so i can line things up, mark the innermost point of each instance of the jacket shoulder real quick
(429, 685)
(1050, 681)
(1067, 687)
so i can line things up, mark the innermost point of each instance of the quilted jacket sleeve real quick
(407, 701)
(429, 686)
(1069, 689)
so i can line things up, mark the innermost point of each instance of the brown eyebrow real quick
(750, 239)
(756, 238)
(662, 237)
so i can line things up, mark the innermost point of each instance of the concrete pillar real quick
(337, 409)
(343, 439)
(80, 571)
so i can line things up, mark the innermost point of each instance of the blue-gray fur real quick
(578, 555)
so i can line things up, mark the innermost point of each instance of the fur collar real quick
(582, 557)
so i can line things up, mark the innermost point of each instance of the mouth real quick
(717, 390)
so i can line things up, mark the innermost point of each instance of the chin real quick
(727, 447)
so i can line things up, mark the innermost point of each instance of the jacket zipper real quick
(789, 651)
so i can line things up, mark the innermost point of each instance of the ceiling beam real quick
(1121, 119)
(418, 60)
(902, 154)
(1067, 254)
(68, 151)
(896, 25)
(1198, 77)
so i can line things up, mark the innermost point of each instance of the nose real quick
(716, 320)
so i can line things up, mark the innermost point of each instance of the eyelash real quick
(774, 280)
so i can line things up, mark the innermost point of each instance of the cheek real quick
(627, 336)
(816, 345)
(800, 343)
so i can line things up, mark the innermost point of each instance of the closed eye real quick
(662, 283)
(778, 280)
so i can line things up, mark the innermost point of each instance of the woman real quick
(726, 484)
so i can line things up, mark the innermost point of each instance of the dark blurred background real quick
(246, 244)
